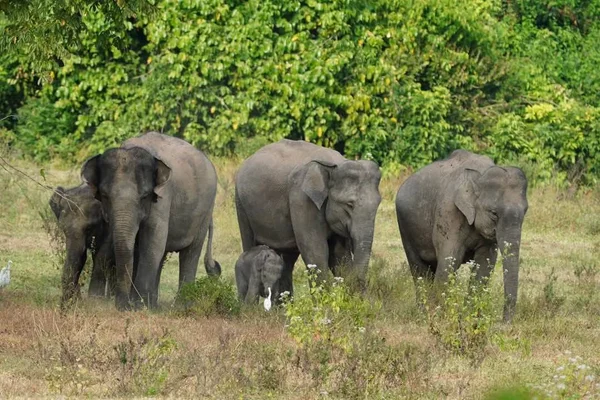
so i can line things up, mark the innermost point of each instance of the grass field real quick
(552, 349)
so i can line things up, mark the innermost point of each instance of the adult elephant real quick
(79, 217)
(157, 193)
(299, 198)
(460, 209)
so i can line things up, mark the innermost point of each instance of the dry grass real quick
(96, 352)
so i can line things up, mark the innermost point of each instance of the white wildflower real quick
(561, 386)
(561, 368)
(590, 378)
(582, 367)
(311, 266)
(362, 329)
(568, 352)
(338, 279)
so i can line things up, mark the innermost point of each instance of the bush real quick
(208, 296)
(327, 313)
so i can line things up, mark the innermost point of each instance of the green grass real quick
(94, 351)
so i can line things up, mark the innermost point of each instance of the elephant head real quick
(349, 194)
(495, 203)
(127, 182)
(79, 217)
(270, 266)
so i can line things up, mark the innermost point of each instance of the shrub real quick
(327, 313)
(208, 296)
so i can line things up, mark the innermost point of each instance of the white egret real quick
(268, 300)
(5, 275)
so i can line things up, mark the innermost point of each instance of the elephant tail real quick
(213, 268)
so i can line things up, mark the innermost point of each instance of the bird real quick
(5, 275)
(268, 300)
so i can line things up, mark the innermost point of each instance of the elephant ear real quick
(57, 196)
(316, 181)
(90, 173)
(162, 175)
(467, 192)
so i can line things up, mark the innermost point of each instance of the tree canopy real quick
(403, 82)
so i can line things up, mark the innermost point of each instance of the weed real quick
(551, 300)
(462, 321)
(144, 362)
(572, 378)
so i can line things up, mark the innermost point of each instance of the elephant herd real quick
(156, 193)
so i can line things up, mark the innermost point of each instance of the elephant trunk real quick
(74, 262)
(509, 243)
(361, 254)
(125, 229)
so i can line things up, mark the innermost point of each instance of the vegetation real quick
(403, 82)
(216, 348)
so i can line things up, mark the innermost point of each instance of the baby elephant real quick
(79, 216)
(257, 272)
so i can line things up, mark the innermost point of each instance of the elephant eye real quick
(494, 214)
(350, 205)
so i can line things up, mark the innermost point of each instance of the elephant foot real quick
(122, 302)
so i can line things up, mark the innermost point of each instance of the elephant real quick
(157, 194)
(300, 198)
(79, 217)
(462, 209)
(256, 271)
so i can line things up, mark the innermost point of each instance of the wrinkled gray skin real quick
(460, 209)
(299, 198)
(79, 216)
(157, 194)
(255, 271)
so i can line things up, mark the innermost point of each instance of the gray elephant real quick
(158, 195)
(460, 209)
(300, 198)
(258, 272)
(79, 216)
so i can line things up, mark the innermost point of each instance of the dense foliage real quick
(403, 82)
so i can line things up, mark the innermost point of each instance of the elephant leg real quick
(253, 292)
(485, 260)
(159, 273)
(340, 254)
(313, 247)
(421, 271)
(190, 256)
(242, 285)
(97, 281)
(248, 240)
(74, 263)
(449, 259)
(287, 279)
(152, 243)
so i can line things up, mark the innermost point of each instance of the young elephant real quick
(79, 216)
(257, 270)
